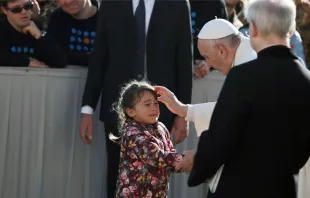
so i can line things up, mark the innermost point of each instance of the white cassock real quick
(201, 114)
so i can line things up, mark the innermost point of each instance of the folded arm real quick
(13, 59)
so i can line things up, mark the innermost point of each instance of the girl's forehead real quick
(147, 95)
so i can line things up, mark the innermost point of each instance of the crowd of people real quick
(166, 43)
(74, 29)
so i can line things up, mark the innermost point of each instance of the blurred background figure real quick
(234, 8)
(296, 42)
(203, 11)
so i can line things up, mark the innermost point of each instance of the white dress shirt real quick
(149, 4)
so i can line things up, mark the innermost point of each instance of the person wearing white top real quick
(223, 47)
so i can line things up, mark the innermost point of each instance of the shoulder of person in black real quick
(6, 27)
(2, 16)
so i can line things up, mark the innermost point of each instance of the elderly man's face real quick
(216, 55)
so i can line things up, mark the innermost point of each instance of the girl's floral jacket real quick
(147, 157)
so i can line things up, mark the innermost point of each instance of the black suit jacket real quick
(169, 53)
(259, 129)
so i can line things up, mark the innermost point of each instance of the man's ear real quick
(291, 34)
(253, 30)
(222, 50)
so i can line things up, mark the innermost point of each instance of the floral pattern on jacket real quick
(147, 157)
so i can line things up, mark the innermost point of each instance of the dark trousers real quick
(113, 153)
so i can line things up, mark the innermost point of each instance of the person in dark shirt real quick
(22, 43)
(73, 26)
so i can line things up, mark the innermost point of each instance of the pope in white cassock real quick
(223, 47)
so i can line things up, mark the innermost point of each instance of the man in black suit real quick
(137, 39)
(260, 125)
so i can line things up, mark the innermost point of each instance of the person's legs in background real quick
(113, 153)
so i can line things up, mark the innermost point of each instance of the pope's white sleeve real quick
(200, 114)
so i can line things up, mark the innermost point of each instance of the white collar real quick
(245, 52)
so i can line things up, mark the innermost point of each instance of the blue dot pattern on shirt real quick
(193, 14)
(81, 40)
(22, 50)
(71, 47)
(72, 38)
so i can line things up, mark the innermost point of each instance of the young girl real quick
(147, 155)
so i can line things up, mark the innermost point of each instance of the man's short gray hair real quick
(231, 40)
(272, 16)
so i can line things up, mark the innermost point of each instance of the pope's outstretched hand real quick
(171, 101)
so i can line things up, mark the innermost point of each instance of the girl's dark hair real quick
(130, 95)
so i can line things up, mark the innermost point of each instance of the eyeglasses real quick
(16, 10)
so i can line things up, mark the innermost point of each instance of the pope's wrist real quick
(183, 110)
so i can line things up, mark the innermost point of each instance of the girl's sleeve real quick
(141, 147)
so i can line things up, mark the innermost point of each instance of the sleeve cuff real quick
(190, 113)
(87, 110)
